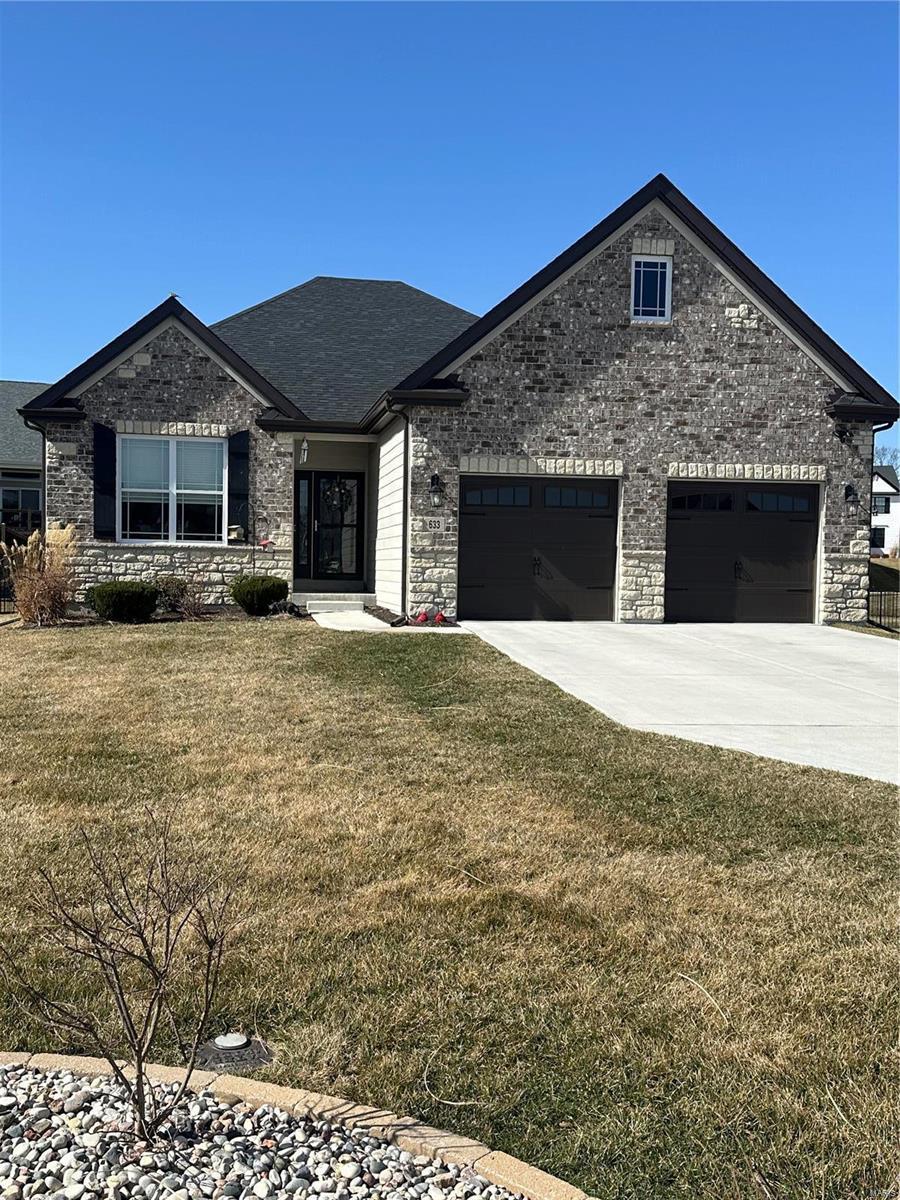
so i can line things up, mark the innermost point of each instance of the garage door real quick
(537, 549)
(741, 552)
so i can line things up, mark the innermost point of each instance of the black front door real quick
(328, 524)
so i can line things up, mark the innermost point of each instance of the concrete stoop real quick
(329, 602)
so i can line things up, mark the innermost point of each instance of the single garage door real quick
(537, 549)
(741, 551)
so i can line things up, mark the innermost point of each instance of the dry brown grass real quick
(646, 965)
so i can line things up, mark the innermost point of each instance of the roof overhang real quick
(59, 412)
(853, 407)
(846, 372)
(61, 394)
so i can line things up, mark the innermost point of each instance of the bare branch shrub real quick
(147, 932)
(43, 574)
(182, 596)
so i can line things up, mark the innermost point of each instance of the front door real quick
(328, 524)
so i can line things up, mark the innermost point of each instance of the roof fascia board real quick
(142, 331)
(699, 244)
(738, 282)
(544, 292)
(173, 322)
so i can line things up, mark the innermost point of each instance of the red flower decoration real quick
(422, 618)
(440, 619)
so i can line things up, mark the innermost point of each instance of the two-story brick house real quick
(647, 429)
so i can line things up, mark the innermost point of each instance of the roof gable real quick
(663, 192)
(334, 346)
(55, 396)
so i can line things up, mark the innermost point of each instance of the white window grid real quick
(656, 317)
(172, 491)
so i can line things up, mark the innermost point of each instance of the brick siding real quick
(573, 379)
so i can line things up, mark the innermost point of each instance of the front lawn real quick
(652, 967)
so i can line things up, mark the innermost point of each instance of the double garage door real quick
(545, 549)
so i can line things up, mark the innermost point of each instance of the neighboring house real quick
(885, 536)
(648, 429)
(21, 463)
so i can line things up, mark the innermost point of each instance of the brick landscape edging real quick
(404, 1132)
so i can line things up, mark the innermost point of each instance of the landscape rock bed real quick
(68, 1137)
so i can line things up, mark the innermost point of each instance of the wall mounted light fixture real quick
(304, 450)
(437, 490)
(851, 495)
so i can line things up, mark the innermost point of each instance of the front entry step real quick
(326, 602)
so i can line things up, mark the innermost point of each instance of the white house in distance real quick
(885, 538)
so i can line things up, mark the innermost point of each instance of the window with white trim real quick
(881, 505)
(651, 288)
(172, 489)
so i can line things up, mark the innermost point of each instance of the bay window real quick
(172, 489)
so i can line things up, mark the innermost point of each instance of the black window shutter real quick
(239, 482)
(104, 483)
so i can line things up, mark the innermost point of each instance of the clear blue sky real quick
(229, 151)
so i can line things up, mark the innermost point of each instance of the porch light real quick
(436, 491)
(851, 495)
(304, 450)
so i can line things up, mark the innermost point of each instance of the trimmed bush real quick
(257, 593)
(124, 600)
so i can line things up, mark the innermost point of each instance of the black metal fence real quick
(884, 610)
(6, 594)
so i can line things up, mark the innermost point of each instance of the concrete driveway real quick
(801, 693)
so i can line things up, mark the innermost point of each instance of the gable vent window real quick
(651, 288)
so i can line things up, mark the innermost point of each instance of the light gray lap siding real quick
(171, 379)
(573, 378)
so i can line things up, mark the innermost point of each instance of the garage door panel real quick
(741, 552)
(553, 559)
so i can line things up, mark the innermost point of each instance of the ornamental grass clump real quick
(42, 573)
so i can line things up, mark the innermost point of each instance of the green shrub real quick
(123, 600)
(172, 591)
(257, 593)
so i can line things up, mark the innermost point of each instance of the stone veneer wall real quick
(572, 379)
(171, 386)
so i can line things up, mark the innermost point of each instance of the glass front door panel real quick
(302, 524)
(338, 526)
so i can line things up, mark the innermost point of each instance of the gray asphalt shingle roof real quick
(888, 474)
(333, 346)
(19, 445)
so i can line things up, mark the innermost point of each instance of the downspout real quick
(43, 432)
(401, 412)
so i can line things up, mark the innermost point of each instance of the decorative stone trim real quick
(808, 472)
(483, 464)
(645, 245)
(173, 428)
(405, 1132)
